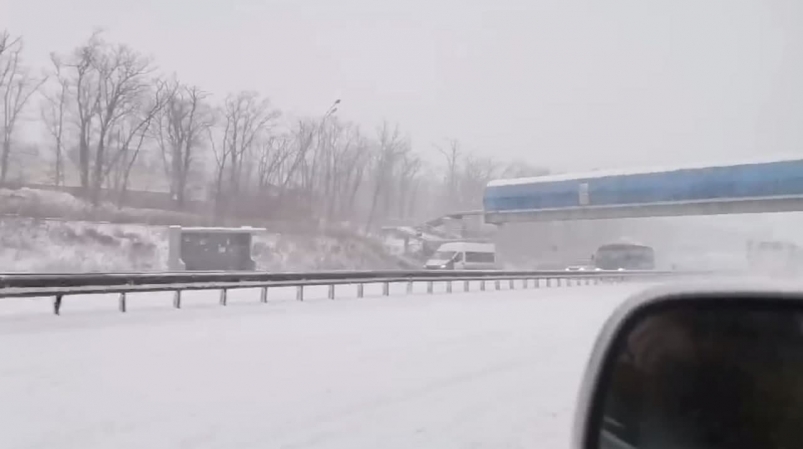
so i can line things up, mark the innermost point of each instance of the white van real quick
(463, 256)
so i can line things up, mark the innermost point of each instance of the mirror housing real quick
(716, 309)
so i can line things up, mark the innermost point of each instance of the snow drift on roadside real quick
(33, 245)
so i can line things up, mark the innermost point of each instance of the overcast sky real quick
(571, 84)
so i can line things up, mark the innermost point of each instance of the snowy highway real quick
(463, 370)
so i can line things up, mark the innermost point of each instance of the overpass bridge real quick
(743, 188)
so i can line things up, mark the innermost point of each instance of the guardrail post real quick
(121, 283)
(263, 295)
(57, 305)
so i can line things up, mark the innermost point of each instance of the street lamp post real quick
(332, 109)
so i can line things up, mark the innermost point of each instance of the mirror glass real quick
(713, 374)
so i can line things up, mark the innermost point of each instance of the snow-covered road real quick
(466, 370)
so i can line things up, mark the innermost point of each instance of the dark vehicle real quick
(624, 256)
(774, 257)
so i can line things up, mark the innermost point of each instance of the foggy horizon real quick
(564, 85)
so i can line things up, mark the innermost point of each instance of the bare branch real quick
(17, 85)
(180, 128)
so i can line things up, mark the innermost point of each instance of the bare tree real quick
(452, 154)
(349, 175)
(86, 100)
(410, 166)
(245, 117)
(17, 85)
(274, 151)
(180, 130)
(123, 81)
(52, 112)
(300, 138)
(391, 147)
(477, 172)
(106, 111)
(134, 129)
(337, 164)
(8, 46)
(109, 84)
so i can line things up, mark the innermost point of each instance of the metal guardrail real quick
(58, 286)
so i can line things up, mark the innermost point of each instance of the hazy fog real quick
(570, 84)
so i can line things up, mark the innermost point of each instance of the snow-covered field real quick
(65, 242)
(29, 245)
(466, 370)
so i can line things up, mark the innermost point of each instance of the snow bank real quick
(492, 370)
(33, 245)
(50, 246)
(47, 231)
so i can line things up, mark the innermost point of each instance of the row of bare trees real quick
(110, 122)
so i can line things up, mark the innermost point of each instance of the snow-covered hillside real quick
(28, 245)
(60, 240)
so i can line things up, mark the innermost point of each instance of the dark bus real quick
(774, 257)
(624, 256)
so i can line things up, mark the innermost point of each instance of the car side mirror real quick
(703, 367)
